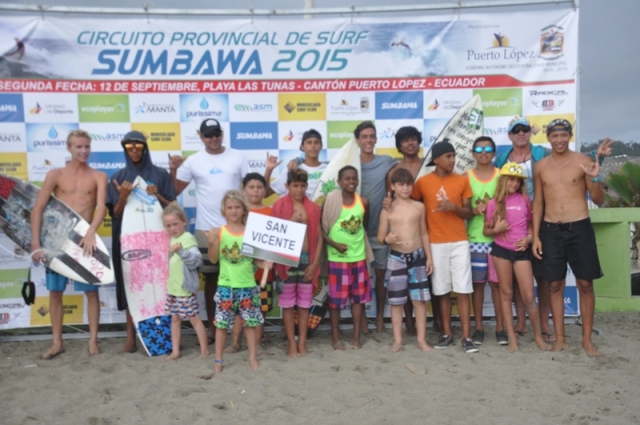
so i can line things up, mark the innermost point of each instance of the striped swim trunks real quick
(406, 276)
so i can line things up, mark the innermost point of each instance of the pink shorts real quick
(295, 291)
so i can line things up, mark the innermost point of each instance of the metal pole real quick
(309, 4)
(275, 12)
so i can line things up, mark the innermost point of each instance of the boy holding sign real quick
(298, 283)
(344, 218)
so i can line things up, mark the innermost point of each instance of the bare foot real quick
(129, 347)
(424, 346)
(53, 352)
(338, 346)
(380, 324)
(173, 356)
(93, 347)
(302, 350)
(218, 366)
(560, 345)
(293, 351)
(396, 346)
(260, 351)
(254, 364)
(232, 349)
(203, 354)
(513, 346)
(591, 349)
(542, 345)
(356, 344)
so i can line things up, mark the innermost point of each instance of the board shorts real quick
(510, 254)
(266, 296)
(295, 291)
(348, 282)
(573, 243)
(57, 283)
(406, 276)
(479, 253)
(451, 268)
(244, 302)
(185, 307)
(380, 253)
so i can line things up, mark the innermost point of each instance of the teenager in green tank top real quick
(483, 180)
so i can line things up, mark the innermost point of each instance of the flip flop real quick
(548, 337)
(520, 333)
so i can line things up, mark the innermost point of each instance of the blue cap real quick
(518, 121)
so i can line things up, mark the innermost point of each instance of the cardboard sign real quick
(273, 239)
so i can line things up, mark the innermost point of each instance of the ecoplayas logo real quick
(501, 102)
(46, 137)
(201, 107)
(103, 108)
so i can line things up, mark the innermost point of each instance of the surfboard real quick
(349, 154)
(145, 268)
(466, 125)
(61, 231)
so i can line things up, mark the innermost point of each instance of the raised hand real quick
(212, 235)
(272, 162)
(605, 148)
(175, 161)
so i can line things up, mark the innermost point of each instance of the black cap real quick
(559, 125)
(310, 133)
(440, 149)
(210, 127)
(134, 136)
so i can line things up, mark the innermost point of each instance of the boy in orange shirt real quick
(447, 201)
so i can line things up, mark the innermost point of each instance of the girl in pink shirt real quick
(508, 221)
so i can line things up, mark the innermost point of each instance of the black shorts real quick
(573, 243)
(508, 254)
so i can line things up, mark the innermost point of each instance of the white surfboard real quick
(145, 267)
(60, 234)
(349, 154)
(462, 129)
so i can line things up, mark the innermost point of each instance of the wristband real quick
(595, 179)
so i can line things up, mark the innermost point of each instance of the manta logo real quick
(136, 255)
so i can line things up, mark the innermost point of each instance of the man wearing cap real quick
(138, 163)
(562, 231)
(215, 170)
(447, 201)
(528, 155)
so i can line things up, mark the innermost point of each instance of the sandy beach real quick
(367, 386)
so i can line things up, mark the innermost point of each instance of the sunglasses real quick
(130, 147)
(214, 133)
(521, 130)
(480, 149)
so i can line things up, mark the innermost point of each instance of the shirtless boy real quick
(562, 231)
(82, 189)
(409, 264)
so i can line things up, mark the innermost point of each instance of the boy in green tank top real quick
(344, 218)
(483, 180)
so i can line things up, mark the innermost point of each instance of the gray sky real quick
(609, 53)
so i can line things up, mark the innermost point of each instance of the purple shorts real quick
(295, 290)
(348, 282)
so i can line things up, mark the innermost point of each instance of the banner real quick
(266, 81)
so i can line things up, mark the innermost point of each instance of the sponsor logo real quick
(254, 135)
(199, 107)
(216, 170)
(51, 109)
(399, 105)
(551, 42)
(501, 102)
(146, 108)
(494, 131)
(136, 255)
(500, 49)
(445, 105)
(42, 137)
(103, 108)
(548, 104)
(160, 136)
(346, 108)
(302, 107)
(109, 162)
(107, 137)
(387, 133)
(12, 305)
(548, 93)
(434, 106)
(288, 137)
(257, 107)
(11, 108)
(10, 138)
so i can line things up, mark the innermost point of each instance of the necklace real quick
(524, 159)
(563, 165)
